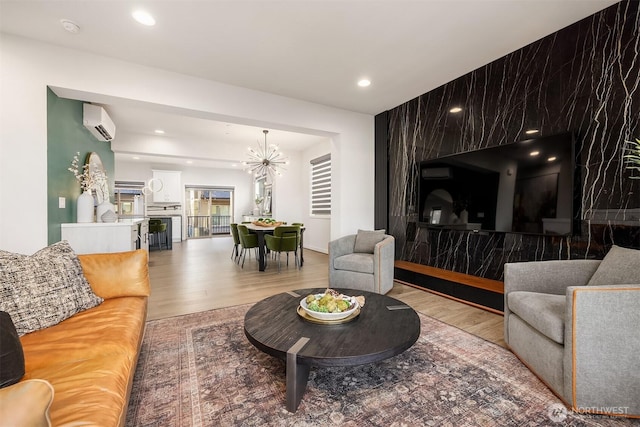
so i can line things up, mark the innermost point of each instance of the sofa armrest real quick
(26, 403)
(121, 274)
(549, 277)
(602, 344)
(385, 248)
(341, 246)
(384, 264)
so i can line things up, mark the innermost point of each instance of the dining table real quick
(260, 232)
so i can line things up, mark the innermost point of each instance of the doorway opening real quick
(209, 211)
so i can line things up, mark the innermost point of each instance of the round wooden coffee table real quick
(385, 327)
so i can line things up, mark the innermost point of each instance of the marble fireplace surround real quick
(584, 79)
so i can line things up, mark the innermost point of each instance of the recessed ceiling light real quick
(455, 110)
(531, 131)
(159, 131)
(144, 18)
(364, 82)
(233, 165)
(551, 159)
(534, 153)
(136, 158)
(70, 26)
(189, 161)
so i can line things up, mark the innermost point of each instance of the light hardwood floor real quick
(198, 275)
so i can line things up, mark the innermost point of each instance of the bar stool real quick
(158, 229)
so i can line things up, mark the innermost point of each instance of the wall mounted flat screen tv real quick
(530, 186)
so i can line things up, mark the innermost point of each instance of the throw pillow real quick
(621, 266)
(11, 355)
(366, 240)
(45, 288)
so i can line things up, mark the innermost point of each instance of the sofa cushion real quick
(89, 359)
(543, 312)
(43, 289)
(358, 262)
(11, 355)
(619, 267)
(366, 240)
(114, 275)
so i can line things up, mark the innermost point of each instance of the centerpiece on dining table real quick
(267, 222)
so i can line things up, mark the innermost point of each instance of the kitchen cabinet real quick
(171, 189)
(104, 237)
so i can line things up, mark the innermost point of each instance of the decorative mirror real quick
(99, 177)
(266, 209)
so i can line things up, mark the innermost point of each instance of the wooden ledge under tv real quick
(476, 291)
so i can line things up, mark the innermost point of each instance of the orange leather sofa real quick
(90, 358)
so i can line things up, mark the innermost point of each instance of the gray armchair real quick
(368, 266)
(579, 336)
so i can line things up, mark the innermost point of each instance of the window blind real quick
(321, 185)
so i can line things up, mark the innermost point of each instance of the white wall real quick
(28, 67)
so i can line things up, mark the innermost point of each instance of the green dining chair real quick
(235, 253)
(286, 238)
(247, 240)
(272, 243)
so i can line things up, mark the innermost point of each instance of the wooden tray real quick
(264, 224)
(308, 318)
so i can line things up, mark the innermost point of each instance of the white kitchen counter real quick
(104, 237)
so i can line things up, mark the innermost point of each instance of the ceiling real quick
(310, 50)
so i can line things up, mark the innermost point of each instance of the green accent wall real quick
(66, 136)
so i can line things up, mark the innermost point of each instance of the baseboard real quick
(476, 291)
(321, 250)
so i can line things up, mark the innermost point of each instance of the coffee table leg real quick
(297, 375)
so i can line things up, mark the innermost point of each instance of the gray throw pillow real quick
(621, 266)
(366, 240)
(45, 288)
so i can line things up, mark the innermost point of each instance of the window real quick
(209, 210)
(321, 185)
(129, 198)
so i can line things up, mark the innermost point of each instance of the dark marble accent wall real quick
(583, 79)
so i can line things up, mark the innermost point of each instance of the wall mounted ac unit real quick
(96, 119)
(436, 173)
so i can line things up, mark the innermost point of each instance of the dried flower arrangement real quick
(83, 174)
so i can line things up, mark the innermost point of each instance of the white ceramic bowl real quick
(329, 316)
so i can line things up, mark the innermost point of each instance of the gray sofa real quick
(576, 325)
(362, 261)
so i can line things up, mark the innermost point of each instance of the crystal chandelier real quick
(265, 160)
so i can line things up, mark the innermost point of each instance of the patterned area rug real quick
(200, 370)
